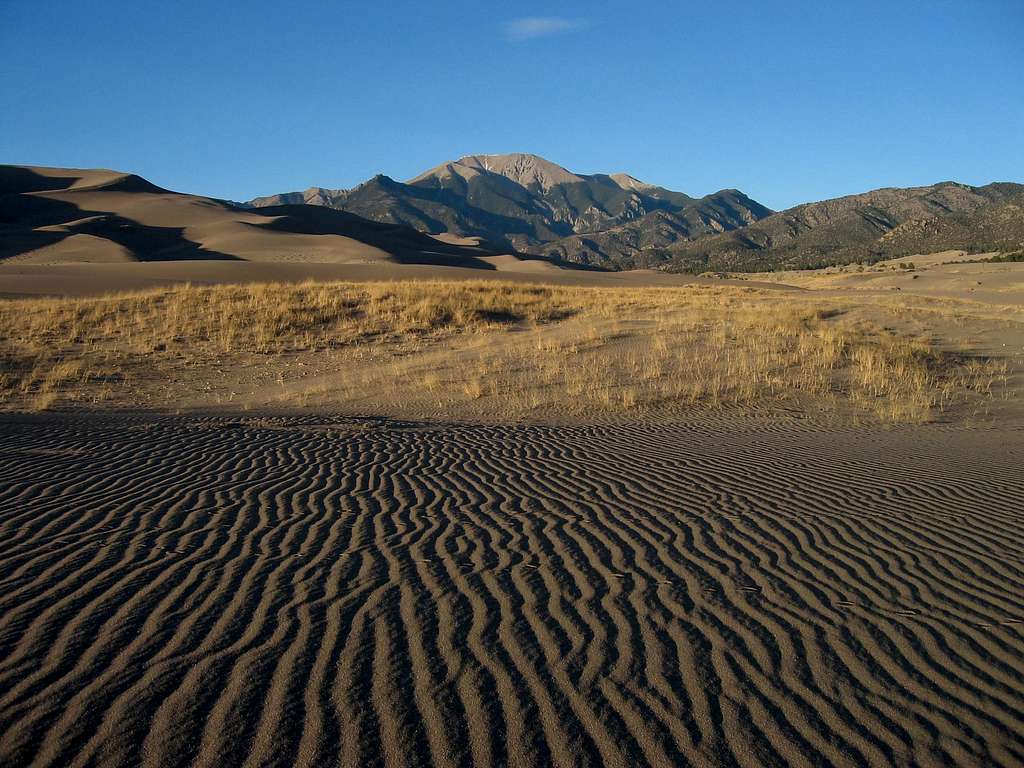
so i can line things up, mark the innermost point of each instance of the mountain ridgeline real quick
(526, 203)
(883, 224)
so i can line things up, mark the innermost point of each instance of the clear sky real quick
(788, 101)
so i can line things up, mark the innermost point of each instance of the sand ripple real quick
(256, 592)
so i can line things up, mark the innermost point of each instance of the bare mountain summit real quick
(530, 171)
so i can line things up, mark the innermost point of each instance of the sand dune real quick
(308, 591)
(129, 219)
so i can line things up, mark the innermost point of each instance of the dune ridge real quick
(56, 216)
(307, 590)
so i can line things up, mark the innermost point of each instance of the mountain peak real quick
(524, 169)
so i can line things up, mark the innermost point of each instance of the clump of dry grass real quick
(578, 350)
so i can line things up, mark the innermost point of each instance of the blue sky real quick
(788, 101)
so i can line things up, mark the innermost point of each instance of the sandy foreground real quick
(332, 591)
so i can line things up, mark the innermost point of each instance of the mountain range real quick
(529, 204)
(526, 203)
(491, 212)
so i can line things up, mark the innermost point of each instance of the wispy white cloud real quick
(532, 27)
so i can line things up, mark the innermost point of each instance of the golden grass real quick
(485, 349)
(268, 318)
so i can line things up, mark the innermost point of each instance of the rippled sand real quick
(279, 591)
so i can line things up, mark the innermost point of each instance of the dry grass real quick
(448, 348)
(719, 349)
(269, 318)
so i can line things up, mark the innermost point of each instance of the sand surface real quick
(216, 591)
(80, 279)
(944, 275)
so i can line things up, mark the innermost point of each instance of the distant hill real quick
(62, 214)
(525, 202)
(877, 225)
(639, 243)
(998, 226)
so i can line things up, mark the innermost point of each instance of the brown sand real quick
(69, 279)
(309, 591)
(940, 275)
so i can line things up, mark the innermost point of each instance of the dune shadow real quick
(149, 243)
(405, 245)
(23, 210)
(15, 179)
(23, 215)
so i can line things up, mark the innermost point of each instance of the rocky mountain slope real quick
(640, 243)
(525, 202)
(876, 225)
(998, 226)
